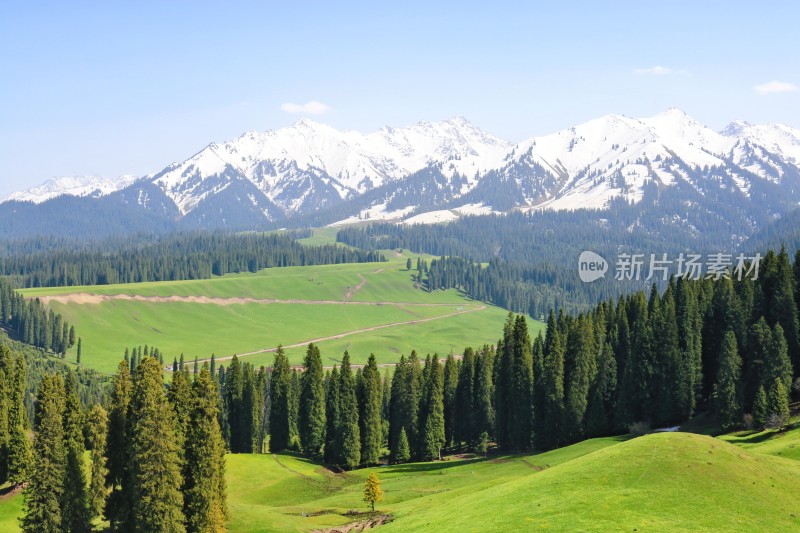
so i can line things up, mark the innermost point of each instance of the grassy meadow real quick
(244, 313)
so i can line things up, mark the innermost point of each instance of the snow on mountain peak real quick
(94, 186)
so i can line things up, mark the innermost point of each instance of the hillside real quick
(361, 307)
(660, 482)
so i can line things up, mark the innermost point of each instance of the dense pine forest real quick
(642, 361)
(527, 262)
(32, 323)
(63, 262)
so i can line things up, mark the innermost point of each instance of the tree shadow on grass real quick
(433, 466)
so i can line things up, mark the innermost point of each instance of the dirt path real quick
(348, 295)
(95, 299)
(348, 333)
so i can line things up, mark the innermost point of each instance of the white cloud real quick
(775, 87)
(659, 70)
(309, 108)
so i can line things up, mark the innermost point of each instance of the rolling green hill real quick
(659, 482)
(363, 308)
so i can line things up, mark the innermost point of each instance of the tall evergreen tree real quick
(97, 425)
(44, 493)
(450, 407)
(521, 430)
(777, 405)
(464, 410)
(348, 438)
(280, 403)
(332, 418)
(553, 383)
(18, 447)
(779, 304)
(483, 394)
(432, 420)
(312, 423)
(234, 389)
(155, 478)
(580, 345)
(372, 397)
(760, 408)
(503, 384)
(403, 453)
(117, 445)
(602, 395)
(75, 511)
(728, 388)
(205, 505)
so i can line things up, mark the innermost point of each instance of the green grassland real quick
(660, 482)
(245, 313)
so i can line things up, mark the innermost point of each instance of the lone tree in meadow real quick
(372, 490)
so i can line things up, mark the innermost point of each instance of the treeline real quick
(32, 323)
(165, 258)
(156, 457)
(529, 261)
(638, 362)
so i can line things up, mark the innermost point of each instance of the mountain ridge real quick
(312, 173)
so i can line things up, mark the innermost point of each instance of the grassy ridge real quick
(660, 482)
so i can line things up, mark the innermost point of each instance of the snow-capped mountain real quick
(312, 174)
(309, 166)
(94, 186)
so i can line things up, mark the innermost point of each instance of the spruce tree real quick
(280, 403)
(204, 483)
(44, 494)
(521, 429)
(397, 402)
(777, 405)
(311, 422)
(117, 445)
(450, 407)
(97, 422)
(464, 415)
(348, 438)
(602, 395)
(403, 452)
(503, 383)
(250, 410)
(180, 396)
(332, 417)
(155, 478)
(234, 388)
(372, 397)
(483, 393)
(18, 447)
(432, 420)
(553, 383)
(75, 511)
(760, 408)
(779, 304)
(728, 388)
(581, 349)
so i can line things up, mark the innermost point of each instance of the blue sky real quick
(113, 88)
